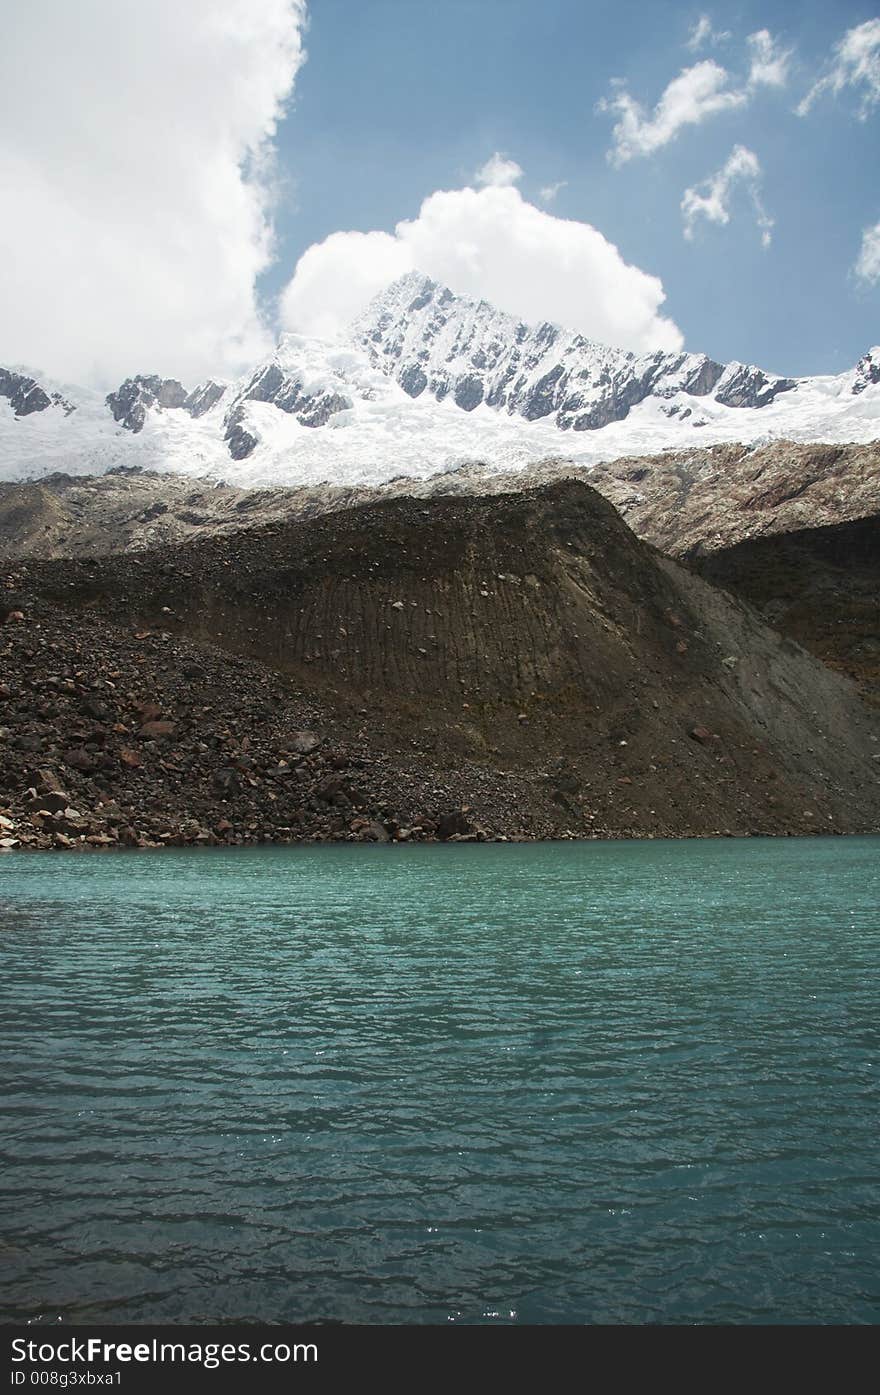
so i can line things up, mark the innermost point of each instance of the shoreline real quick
(455, 841)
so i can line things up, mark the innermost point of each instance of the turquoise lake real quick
(552, 1083)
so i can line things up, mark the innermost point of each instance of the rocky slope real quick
(821, 586)
(69, 516)
(694, 502)
(517, 665)
(25, 395)
(685, 502)
(759, 523)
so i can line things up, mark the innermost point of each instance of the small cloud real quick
(549, 191)
(867, 266)
(703, 35)
(769, 66)
(856, 64)
(711, 198)
(701, 91)
(498, 172)
(696, 93)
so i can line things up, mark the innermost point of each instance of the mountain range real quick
(438, 629)
(423, 382)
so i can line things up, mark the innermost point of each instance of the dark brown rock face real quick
(821, 586)
(517, 665)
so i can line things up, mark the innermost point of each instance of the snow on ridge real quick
(495, 391)
(391, 435)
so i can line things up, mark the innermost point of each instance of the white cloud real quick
(488, 243)
(769, 62)
(711, 199)
(135, 163)
(856, 64)
(335, 279)
(696, 93)
(703, 34)
(549, 191)
(498, 172)
(867, 266)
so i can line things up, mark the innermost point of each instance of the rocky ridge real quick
(132, 401)
(432, 341)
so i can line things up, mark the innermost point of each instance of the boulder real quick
(154, 729)
(452, 825)
(79, 759)
(702, 735)
(375, 833)
(302, 743)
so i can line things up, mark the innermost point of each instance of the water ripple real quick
(601, 1083)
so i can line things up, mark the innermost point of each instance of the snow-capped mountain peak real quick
(431, 340)
(425, 381)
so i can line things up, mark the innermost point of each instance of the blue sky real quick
(399, 98)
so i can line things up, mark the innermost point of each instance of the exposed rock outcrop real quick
(203, 398)
(133, 400)
(26, 395)
(867, 372)
(285, 390)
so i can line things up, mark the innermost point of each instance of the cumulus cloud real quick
(701, 91)
(867, 266)
(135, 162)
(703, 35)
(856, 64)
(711, 199)
(488, 243)
(335, 279)
(498, 172)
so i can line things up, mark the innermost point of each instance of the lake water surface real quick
(602, 1082)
